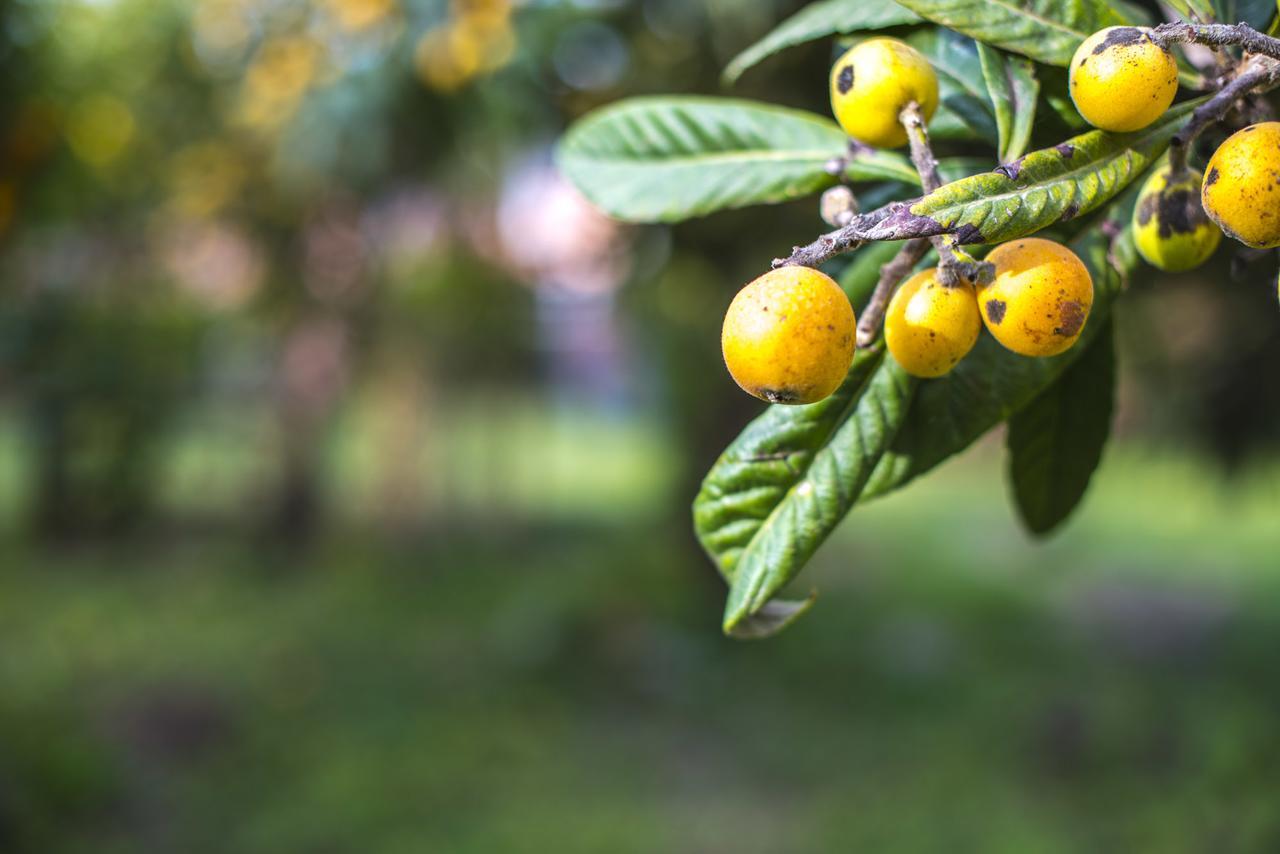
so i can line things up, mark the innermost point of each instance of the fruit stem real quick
(1260, 73)
(891, 275)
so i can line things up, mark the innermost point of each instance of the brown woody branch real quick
(1260, 74)
(1217, 35)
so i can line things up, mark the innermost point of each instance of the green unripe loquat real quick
(788, 336)
(1170, 228)
(929, 327)
(873, 82)
(1121, 80)
(1039, 300)
(1241, 190)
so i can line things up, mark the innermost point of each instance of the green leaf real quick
(1014, 90)
(1044, 187)
(1056, 442)
(822, 481)
(965, 110)
(669, 159)
(992, 384)
(1193, 10)
(1048, 31)
(1255, 13)
(819, 20)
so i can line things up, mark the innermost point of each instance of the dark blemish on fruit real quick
(1066, 149)
(1083, 61)
(1121, 37)
(1250, 128)
(831, 327)
(1212, 177)
(845, 81)
(1177, 211)
(779, 395)
(1069, 212)
(995, 310)
(1070, 319)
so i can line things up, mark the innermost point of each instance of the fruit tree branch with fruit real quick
(866, 405)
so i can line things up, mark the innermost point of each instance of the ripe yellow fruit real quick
(871, 84)
(1040, 298)
(788, 336)
(930, 327)
(1121, 80)
(1242, 186)
(1170, 228)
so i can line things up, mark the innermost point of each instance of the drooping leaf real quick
(819, 20)
(790, 515)
(669, 159)
(1055, 443)
(962, 92)
(1042, 188)
(1048, 31)
(1012, 83)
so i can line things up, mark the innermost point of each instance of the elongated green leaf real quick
(1056, 442)
(1048, 31)
(1014, 90)
(962, 92)
(801, 518)
(1044, 187)
(819, 20)
(669, 159)
(992, 384)
(1255, 13)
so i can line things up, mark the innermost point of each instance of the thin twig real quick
(1217, 35)
(1260, 74)
(891, 274)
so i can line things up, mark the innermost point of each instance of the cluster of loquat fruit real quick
(789, 336)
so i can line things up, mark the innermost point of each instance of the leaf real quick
(1044, 187)
(1255, 13)
(992, 384)
(1056, 442)
(962, 93)
(1048, 31)
(1012, 83)
(819, 20)
(1193, 10)
(795, 521)
(669, 159)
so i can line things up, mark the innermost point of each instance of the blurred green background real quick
(346, 455)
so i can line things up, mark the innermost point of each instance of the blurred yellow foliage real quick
(99, 128)
(278, 78)
(354, 15)
(204, 177)
(477, 39)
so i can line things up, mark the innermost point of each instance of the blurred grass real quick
(955, 689)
